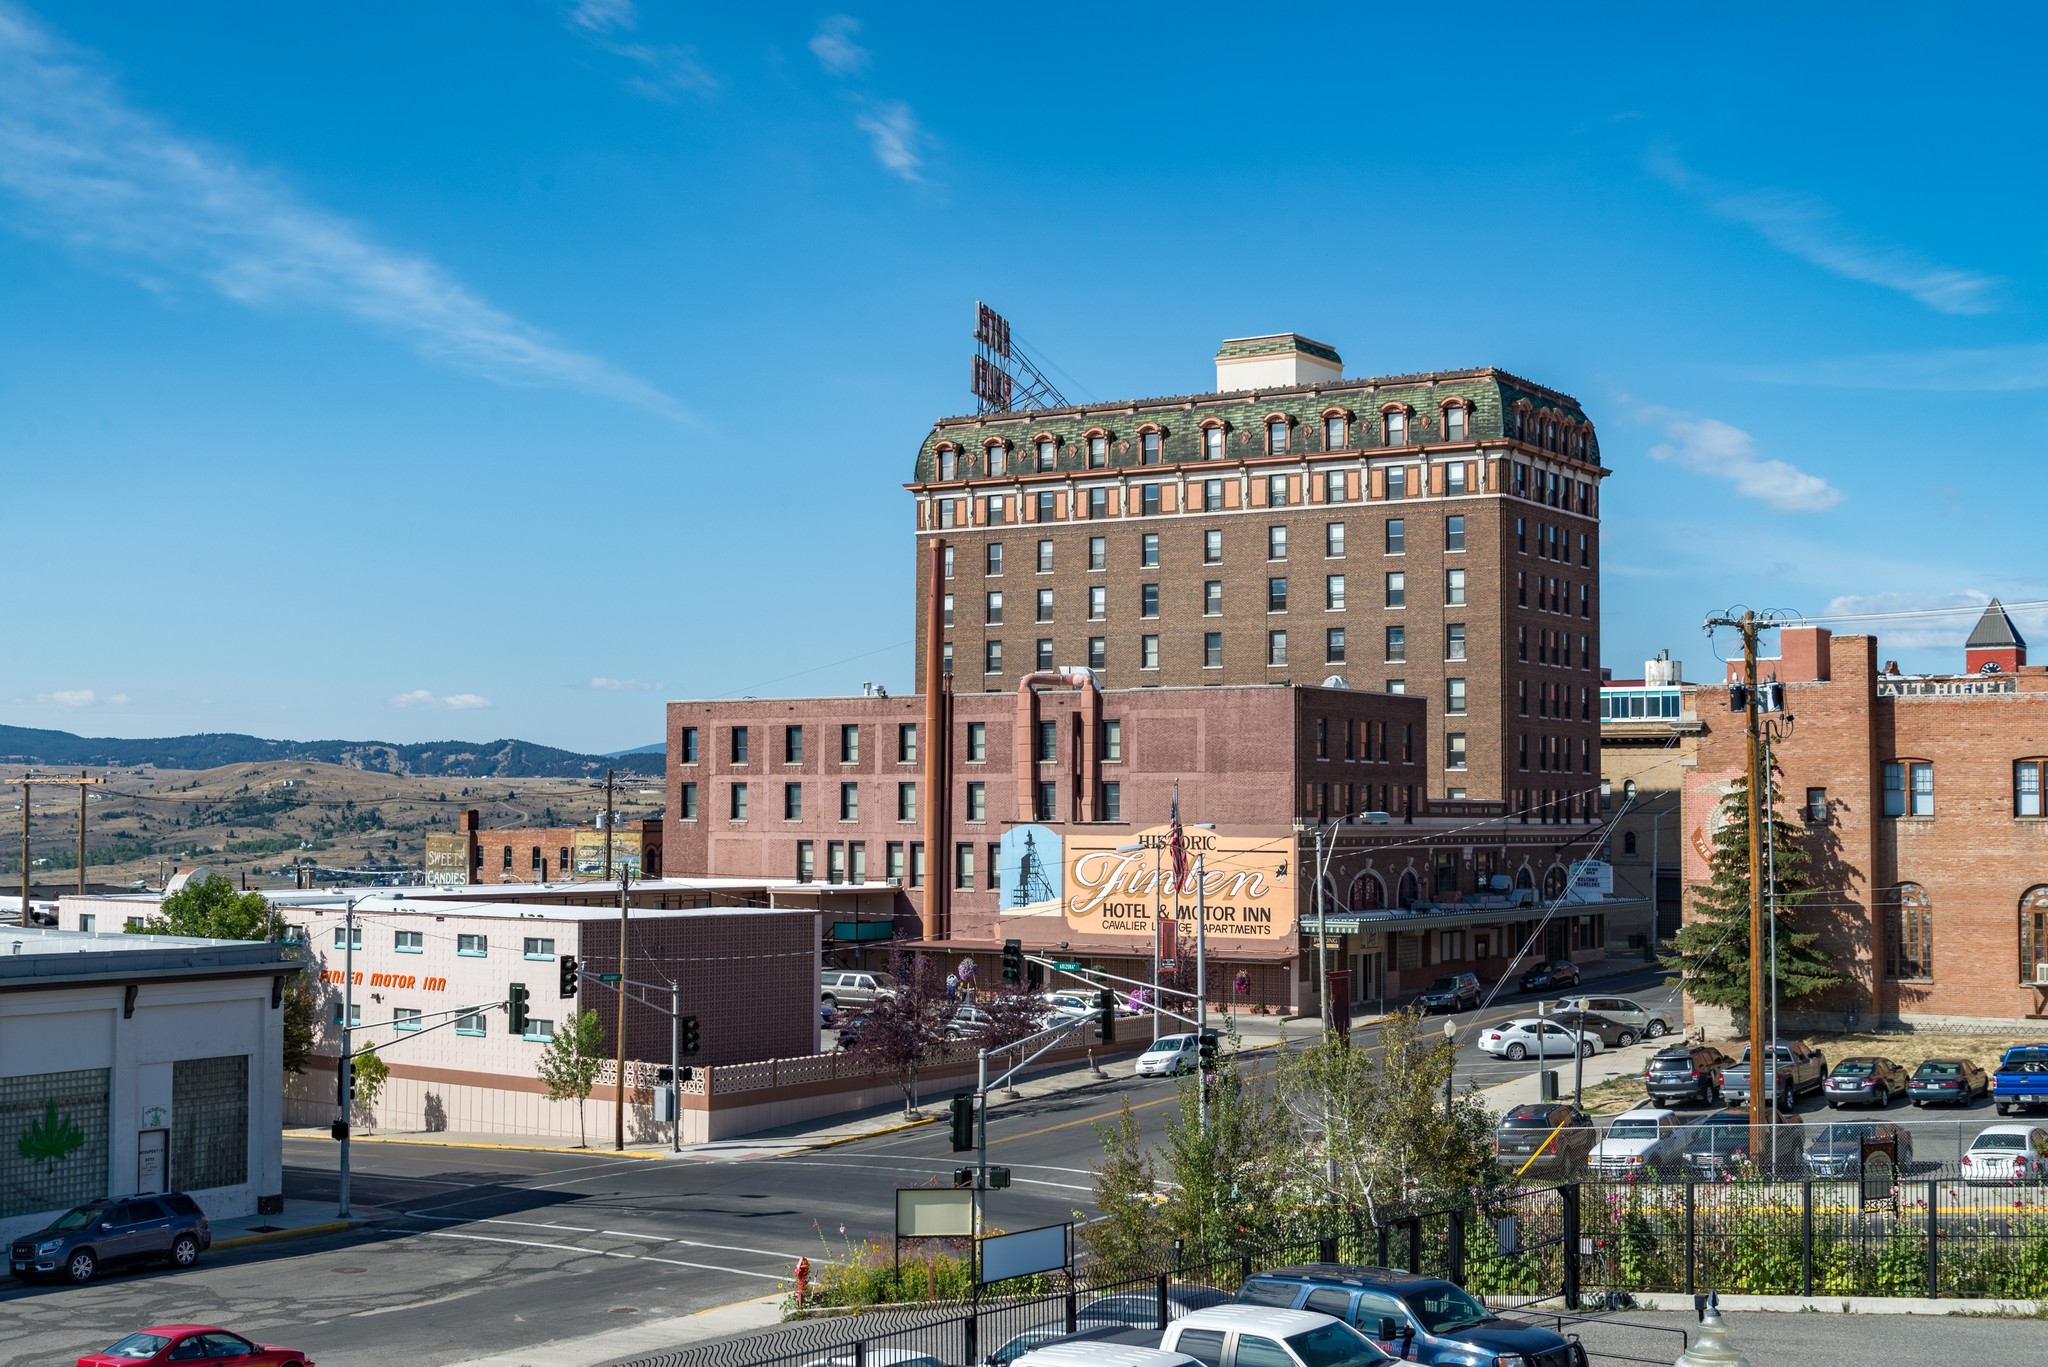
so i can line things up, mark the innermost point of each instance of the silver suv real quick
(1647, 1024)
(134, 1229)
(836, 989)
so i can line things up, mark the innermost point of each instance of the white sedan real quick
(1535, 1037)
(1075, 1004)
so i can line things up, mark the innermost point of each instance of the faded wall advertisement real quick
(1103, 892)
(587, 855)
(447, 861)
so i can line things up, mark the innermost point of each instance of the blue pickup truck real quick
(2022, 1079)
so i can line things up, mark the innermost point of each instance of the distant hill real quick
(433, 759)
(658, 748)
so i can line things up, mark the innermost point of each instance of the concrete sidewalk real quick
(298, 1220)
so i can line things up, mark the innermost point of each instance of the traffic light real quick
(339, 1099)
(1105, 1016)
(963, 1177)
(1209, 1044)
(569, 976)
(690, 1041)
(998, 1177)
(1013, 961)
(515, 1019)
(963, 1121)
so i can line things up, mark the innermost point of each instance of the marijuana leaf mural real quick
(50, 1140)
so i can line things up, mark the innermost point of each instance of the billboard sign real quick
(587, 854)
(1004, 1256)
(934, 1213)
(1105, 894)
(447, 861)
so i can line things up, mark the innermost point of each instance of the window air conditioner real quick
(2041, 975)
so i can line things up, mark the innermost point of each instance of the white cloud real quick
(633, 685)
(895, 134)
(113, 183)
(422, 697)
(1922, 620)
(664, 68)
(1952, 370)
(70, 697)
(1806, 228)
(603, 16)
(1719, 450)
(834, 47)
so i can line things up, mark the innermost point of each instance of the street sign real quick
(610, 977)
(1067, 965)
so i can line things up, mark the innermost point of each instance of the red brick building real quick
(1921, 798)
(551, 854)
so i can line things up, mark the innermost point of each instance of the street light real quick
(1450, 1039)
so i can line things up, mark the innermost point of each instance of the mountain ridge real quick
(502, 758)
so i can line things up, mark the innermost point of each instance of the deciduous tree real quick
(904, 1027)
(569, 1063)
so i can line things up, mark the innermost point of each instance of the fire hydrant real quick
(803, 1280)
(1710, 1347)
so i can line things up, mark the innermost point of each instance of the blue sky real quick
(415, 371)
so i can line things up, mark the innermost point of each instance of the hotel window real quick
(906, 802)
(1397, 645)
(793, 741)
(470, 1024)
(1148, 550)
(998, 510)
(1212, 650)
(1112, 805)
(1045, 605)
(1454, 477)
(1212, 495)
(1397, 428)
(949, 463)
(1909, 788)
(835, 862)
(1585, 601)
(1045, 802)
(538, 1031)
(1397, 536)
(1276, 648)
(992, 657)
(1333, 645)
(1454, 533)
(998, 459)
(849, 802)
(405, 1018)
(1397, 687)
(739, 745)
(508, 858)
(1276, 490)
(1333, 541)
(946, 657)
(687, 745)
(849, 743)
(1397, 590)
(536, 948)
(1098, 452)
(1212, 443)
(1148, 600)
(1098, 603)
(1098, 503)
(1521, 536)
(1522, 697)
(1048, 455)
(1148, 499)
(977, 801)
(404, 941)
(1212, 598)
(1045, 557)
(1148, 652)
(1397, 482)
(355, 1014)
(1454, 587)
(1044, 654)
(857, 859)
(946, 610)
(1454, 696)
(1098, 552)
(806, 861)
(1148, 448)
(1454, 750)
(1048, 748)
(906, 742)
(471, 946)
(1212, 548)
(792, 802)
(1522, 587)
(1048, 509)
(995, 609)
(1333, 592)
(689, 803)
(1817, 806)
(1454, 641)
(1112, 741)
(343, 936)
(1454, 423)
(995, 559)
(1911, 943)
(892, 862)
(1336, 433)
(738, 800)
(947, 557)
(1336, 486)
(2026, 786)
(1276, 595)
(1098, 652)
(1276, 543)
(1276, 437)
(917, 863)
(977, 742)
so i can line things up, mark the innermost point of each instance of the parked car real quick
(1421, 1318)
(194, 1343)
(1551, 976)
(1956, 1080)
(826, 1016)
(1168, 1055)
(1685, 1073)
(2007, 1153)
(1452, 992)
(1865, 1080)
(1536, 1037)
(837, 989)
(1798, 1069)
(1140, 1309)
(1275, 1338)
(879, 1357)
(1078, 1005)
(1649, 1024)
(1636, 1142)
(1722, 1145)
(1104, 1347)
(967, 1022)
(2022, 1078)
(135, 1229)
(1612, 1034)
(1540, 1138)
(1837, 1149)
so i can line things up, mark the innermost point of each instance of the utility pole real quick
(82, 782)
(346, 1076)
(619, 1099)
(1748, 625)
(609, 775)
(1201, 985)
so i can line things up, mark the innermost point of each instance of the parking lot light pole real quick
(346, 1076)
(1451, 1040)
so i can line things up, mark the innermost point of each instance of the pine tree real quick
(1712, 947)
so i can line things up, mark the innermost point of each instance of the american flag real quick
(1177, 843)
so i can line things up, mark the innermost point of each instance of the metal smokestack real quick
(938, 748)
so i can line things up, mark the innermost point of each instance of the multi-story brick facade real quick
(1433, 534)
(1921, 802)
(552, 854)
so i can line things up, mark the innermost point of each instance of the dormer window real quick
(1148, 447)
(949, 463)
(1336, 432)
(1048, 454)
(1397, 427)
(1212, 442)
(1454, 422)
(1098, 451)
(1276, 436)
(998, 458)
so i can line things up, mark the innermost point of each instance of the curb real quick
(476, 1144)
(271, 1236)
(897, 1128)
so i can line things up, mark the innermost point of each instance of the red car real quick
(203, 1345)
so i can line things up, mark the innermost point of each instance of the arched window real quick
(1048, 453)
(1277, 426)
(1628, 842)
(1553, 883)
(1525, 879)
(1912, 933)
(2034, 936)
(998, 458)
(1454, 420)
(1628, 790)
(1212, 440)
(1394, 425)
(949, 463)
(1366, 893)
(1410, 890)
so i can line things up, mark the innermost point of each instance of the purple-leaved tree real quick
(906, 1026)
